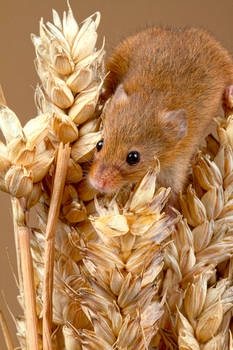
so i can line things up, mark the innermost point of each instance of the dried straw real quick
(6, 333)
(56, 197)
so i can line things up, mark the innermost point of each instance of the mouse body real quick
(163, 89)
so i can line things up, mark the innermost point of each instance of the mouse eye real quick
(99, 145)
(133, 158)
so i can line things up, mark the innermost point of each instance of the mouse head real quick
(134, 133)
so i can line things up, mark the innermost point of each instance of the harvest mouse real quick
(165, 87)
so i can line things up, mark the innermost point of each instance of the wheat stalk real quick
(71, 73)
(110, 272)
(6, 333)
(56, 197)
(202, 242)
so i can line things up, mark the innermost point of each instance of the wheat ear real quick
(199, 265)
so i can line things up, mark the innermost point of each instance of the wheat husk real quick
(199, 268)
(111, 272)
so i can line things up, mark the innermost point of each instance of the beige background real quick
(18, 78)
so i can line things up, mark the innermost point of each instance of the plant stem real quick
(57, 192)
(15, 204)
(28, 288)
(6, 333)
(25, 269)
(2, 97)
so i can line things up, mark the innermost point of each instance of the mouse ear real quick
(120, 95)
(175, 123)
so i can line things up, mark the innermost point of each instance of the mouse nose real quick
(98, 183)
(104, 178)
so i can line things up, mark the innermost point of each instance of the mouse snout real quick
(104, 178)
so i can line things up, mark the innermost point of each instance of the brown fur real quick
(160, 70)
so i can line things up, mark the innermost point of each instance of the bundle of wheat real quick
(110, 272)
